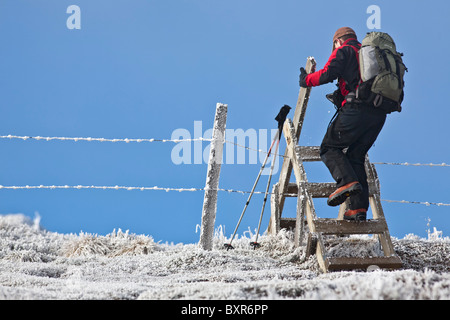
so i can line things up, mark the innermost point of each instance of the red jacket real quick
(342, 65)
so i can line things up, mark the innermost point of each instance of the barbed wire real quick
(253, 149)
(127, 140)
(79, 187)
(168, 189)
(439, 204)
(138, 140)
(89, 139)
(117, 187)
(414, 164)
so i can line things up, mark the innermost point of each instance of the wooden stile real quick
(305, 191)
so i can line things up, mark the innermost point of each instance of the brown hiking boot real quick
(342, 193)
(355, 215)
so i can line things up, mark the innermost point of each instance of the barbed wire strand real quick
(127, 140)
(89, 139)
(414, 164)
(79, 187)
(117, 187)
(138, 140)
(439, 204)
(253, 149)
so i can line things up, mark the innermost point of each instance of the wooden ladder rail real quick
(286, 168)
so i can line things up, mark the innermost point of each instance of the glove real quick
(302, 78)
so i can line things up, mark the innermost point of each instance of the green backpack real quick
(382, 71)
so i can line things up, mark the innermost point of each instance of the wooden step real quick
(320, 189)
(308, 154)
(287, 223)
(316, 190)
(328, 226)
(349, 263)
(343, 227)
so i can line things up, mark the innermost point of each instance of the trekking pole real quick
(281, 117)
(228, 246)
(255, 244)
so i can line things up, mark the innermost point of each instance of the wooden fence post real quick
(212, 177)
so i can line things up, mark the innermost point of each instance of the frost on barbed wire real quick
(139, 140)
(168, 189)
(90, 139)
(443, 164)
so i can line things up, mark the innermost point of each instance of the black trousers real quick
(355, 129)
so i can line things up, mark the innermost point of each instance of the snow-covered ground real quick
(39, 264)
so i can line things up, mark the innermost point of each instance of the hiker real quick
(354, 128)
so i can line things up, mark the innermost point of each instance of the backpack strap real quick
(356, 49)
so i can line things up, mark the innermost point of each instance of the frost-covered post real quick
(212, 177)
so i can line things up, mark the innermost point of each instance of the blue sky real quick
(143, 69)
